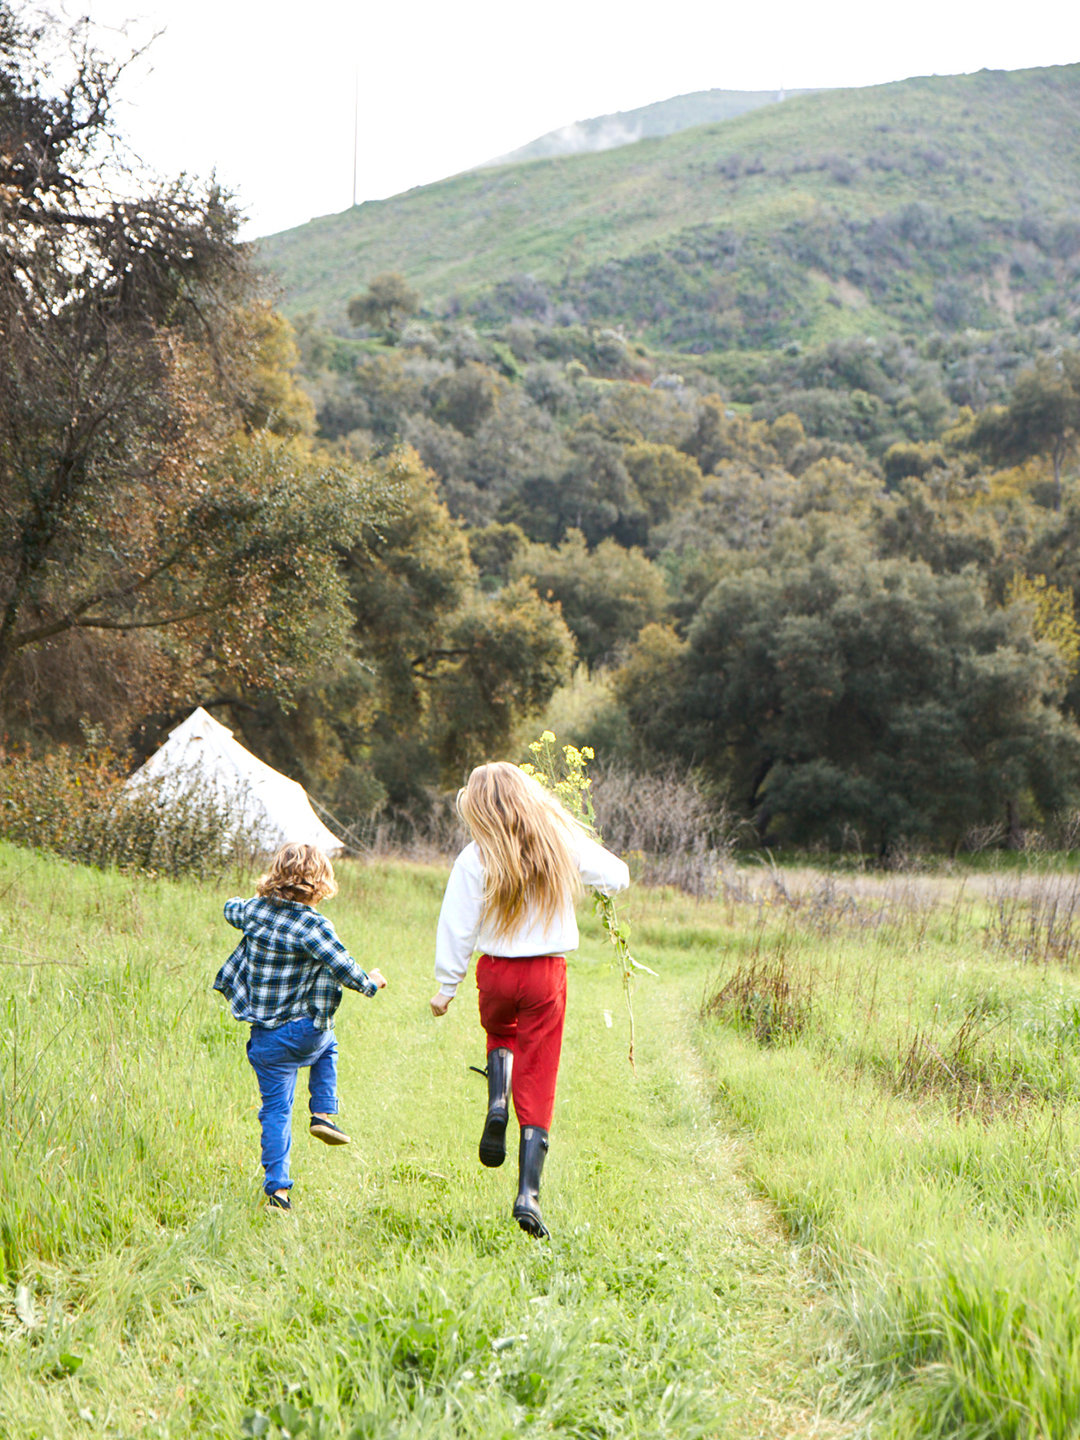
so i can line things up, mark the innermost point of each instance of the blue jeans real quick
(276, 1055)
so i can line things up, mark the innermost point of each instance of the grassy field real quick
(838, 1198)
(985, 148)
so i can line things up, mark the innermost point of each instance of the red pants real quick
(522, 1008)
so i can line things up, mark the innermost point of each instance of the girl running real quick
(511, 895)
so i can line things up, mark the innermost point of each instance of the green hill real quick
(624, 127)
(953, 200)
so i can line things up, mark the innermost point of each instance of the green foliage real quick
(271, 529)
(432, 673)
(1054, 617)
(465, 398)
(651, 684)
(365, 599)
(665, 478)
(1042, 418)
(171, 534)
(388, 301)
(494, 549)
(504, 658)
(275, 400)
(606, 596)
(831, 690)
(911, 458)
(577, 471)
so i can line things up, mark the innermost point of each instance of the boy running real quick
(285, 979)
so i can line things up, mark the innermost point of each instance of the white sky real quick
(264, 92)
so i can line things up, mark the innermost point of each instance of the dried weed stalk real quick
(1036, 918)
(964, 1067)
(766, 995)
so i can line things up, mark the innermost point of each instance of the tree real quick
(434, 674)
(945, 533)
(593, 494)
(1041, 418)
(467, 396)
(386, 304)
(651, 685)
(664, 477)
(405, 584)
(136, 496)
(276, 401)
(828, 691)
(722, 434)
(503, 659)
(606, 596)
(494, 549)
(455, 668)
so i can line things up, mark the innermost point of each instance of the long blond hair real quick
(525, 839)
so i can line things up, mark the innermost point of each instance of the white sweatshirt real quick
(461, 932)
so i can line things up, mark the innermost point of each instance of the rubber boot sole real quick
(493, 1140)
(532, 1223)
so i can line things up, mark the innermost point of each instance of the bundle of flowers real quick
(563, 769)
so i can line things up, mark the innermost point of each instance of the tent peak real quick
(199, 725)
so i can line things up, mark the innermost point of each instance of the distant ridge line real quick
(625, 127)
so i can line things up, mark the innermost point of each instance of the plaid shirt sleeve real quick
(322, 944)
(230, 978)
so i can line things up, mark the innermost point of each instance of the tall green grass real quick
(893, 1064)
(148, 1293)
(917, 1129)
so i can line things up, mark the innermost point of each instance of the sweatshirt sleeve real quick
(459, 923)
(601, 869)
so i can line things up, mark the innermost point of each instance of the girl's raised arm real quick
(600, 869)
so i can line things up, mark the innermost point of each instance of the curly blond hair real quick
(300, 873)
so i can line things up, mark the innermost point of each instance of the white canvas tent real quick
(202, 754)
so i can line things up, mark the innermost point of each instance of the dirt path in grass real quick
(655, 1232)
(772, 1313)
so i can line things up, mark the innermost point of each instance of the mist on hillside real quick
(662, 117)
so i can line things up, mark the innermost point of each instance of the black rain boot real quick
(500, 1063)
(531, 1152)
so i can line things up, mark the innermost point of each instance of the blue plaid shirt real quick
(290, 964)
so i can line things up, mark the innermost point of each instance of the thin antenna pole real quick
(355, 133)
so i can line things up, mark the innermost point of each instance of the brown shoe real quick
(324, 1129)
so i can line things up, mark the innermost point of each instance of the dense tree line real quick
(812, 575)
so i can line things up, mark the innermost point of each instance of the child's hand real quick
(378, 977)
(440, 1004)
